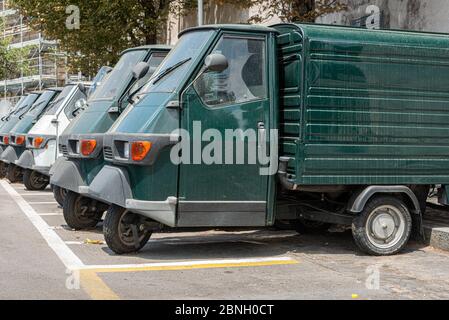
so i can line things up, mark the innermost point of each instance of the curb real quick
(437, 236)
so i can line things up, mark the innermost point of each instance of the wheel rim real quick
(37, 180)
(82, 209)
(385, 226)
(125, 230)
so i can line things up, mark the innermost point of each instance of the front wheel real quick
(14, 173)
(124, 232)
(383, 227)
(3, 170)
(59, 194)
(34, 180)
(81, 212)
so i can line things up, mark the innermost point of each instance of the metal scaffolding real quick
(46, 64)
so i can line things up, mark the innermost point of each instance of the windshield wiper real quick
(170, 69)
(37, 105)
(33, 107)
(56, 101)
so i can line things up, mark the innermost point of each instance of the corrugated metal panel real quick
(377, 109)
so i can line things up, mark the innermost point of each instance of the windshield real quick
(183, 55)
(99, 78)
(154, 62)
(41, 102)
(19, 103)
(119, 77)
(54, 107)
(23, 108)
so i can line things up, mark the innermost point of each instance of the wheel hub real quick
(385, 226)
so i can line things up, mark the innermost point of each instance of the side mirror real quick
(79, 105)
(216, 62)
(140, 70)
(82, 87)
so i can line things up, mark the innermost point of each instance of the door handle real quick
(262, 136)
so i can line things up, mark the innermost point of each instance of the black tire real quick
(116, 228)
(34, 180)
(14, 173)
(59, 194)
(3, 170)
(78, 213)
(383, 227)
(309, 226)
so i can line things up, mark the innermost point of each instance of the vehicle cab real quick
(41, 141)
(81, 142)
(10, 121)
(216, 78)
(17, 137)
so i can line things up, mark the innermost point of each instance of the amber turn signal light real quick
(37, 142)
(20, 140)
(87, 147)
(6, 140)
(139, 150)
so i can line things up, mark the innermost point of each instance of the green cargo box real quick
(364, 106)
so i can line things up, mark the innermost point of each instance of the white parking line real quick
(68, 258)
(42, 202)
(36, 194)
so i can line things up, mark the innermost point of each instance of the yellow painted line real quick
(95, 287)
(196, 266)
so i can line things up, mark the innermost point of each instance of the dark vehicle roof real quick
(161, 47)
(231, 27)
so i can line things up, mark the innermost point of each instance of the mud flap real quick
(67, 176)
(112, 186)
(9, 155)
(26, 160)
(55, 165)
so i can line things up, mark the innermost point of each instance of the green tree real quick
(12, 60)
(106, 27)
(295, 10)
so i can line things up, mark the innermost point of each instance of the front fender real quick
(26, 160)
(55, 165)
(9, 155)
(67, 175)
(111, 185)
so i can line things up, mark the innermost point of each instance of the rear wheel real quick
(383, 227)
(14, 173)
(124, 232)
(59, 194)
(81, 212)
(34, 180)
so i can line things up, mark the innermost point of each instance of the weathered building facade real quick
(422, 15)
